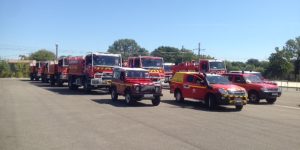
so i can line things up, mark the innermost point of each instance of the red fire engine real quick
(92, 71)
(204, 65)
(48, 70)
(36, 70)
(153, 64)
(61, 75)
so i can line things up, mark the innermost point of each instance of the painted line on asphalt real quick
(291, 107)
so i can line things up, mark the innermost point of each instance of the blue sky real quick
(231, 29)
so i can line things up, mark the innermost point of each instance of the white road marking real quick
(287, 107)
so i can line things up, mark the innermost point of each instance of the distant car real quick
(135, 85)
(168, 73)
(257, 74)
(257, 89)
(210, 89)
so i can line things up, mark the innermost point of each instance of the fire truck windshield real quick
(137, 74)
(100, 60)
(147, 63)
(167, 68)
(216, 65)
(213, 79)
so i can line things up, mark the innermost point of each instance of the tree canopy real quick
(42, 55)
(127, 47)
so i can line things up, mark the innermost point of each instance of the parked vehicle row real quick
(143, 77)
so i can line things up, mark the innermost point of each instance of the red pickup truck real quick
(210, 89)
(256, 88)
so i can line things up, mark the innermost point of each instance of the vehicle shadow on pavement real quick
(120, 103)
(199, 106)
(260, 103)
(65, 90)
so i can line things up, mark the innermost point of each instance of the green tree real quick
(170, 54)
(127, 47)
(280, 65)
(42, 55)
(292, 47)
(253, 62)
(4, 69)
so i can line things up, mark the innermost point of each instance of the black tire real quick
(156, 101)
(253, 97)
(31, 78)
(52, 81)
(129, 99)
(60, 83)
(86, 86)
(211, 102)
(72, 86)
(114, 94)
(178, 96)
(271, 100)
(239, 107)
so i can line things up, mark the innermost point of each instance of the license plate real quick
(148, 95)
(238, 100)
(274, 94)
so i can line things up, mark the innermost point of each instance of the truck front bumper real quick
(232, 100)
(269, 94)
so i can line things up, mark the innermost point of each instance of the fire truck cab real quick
(203, 65)
(153, 64)
(92, 71)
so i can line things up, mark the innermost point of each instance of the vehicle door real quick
(187, 86)
(199, 88)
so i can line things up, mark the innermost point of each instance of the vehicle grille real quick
(273, 90)
(148, 89)
(239, 93)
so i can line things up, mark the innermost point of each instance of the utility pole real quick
(199, 49)
(56, 47)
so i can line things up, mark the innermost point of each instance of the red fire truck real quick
(204, 66)
(153, 64)
(61, 75)
(36, 70)
(92, 71)
(48, 70)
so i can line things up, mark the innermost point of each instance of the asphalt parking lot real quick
(35, 116)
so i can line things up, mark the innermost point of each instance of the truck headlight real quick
(223, 91)
(137, 89)
(264, 89)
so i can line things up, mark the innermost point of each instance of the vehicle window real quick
(148, 62)
(122, 76)
(66, 62)
(230, 78)
(137, 63)
(198, 80)
(137, 74)
(216, 65)
(204, 67)
(116, 75)
(253, 79)
(239, 79)
(217, 79)
(60, 62)
(88, 60)
(190, 78)
(106, 60)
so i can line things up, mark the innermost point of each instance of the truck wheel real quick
(178, 96)
(52, 81)
(129, 99)
(156, 101)
(253, 98)
(86, 87)
(60, 83)
(31, 78)
(211, 102)
(114, 94)
(239, 107)
(271, 100)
